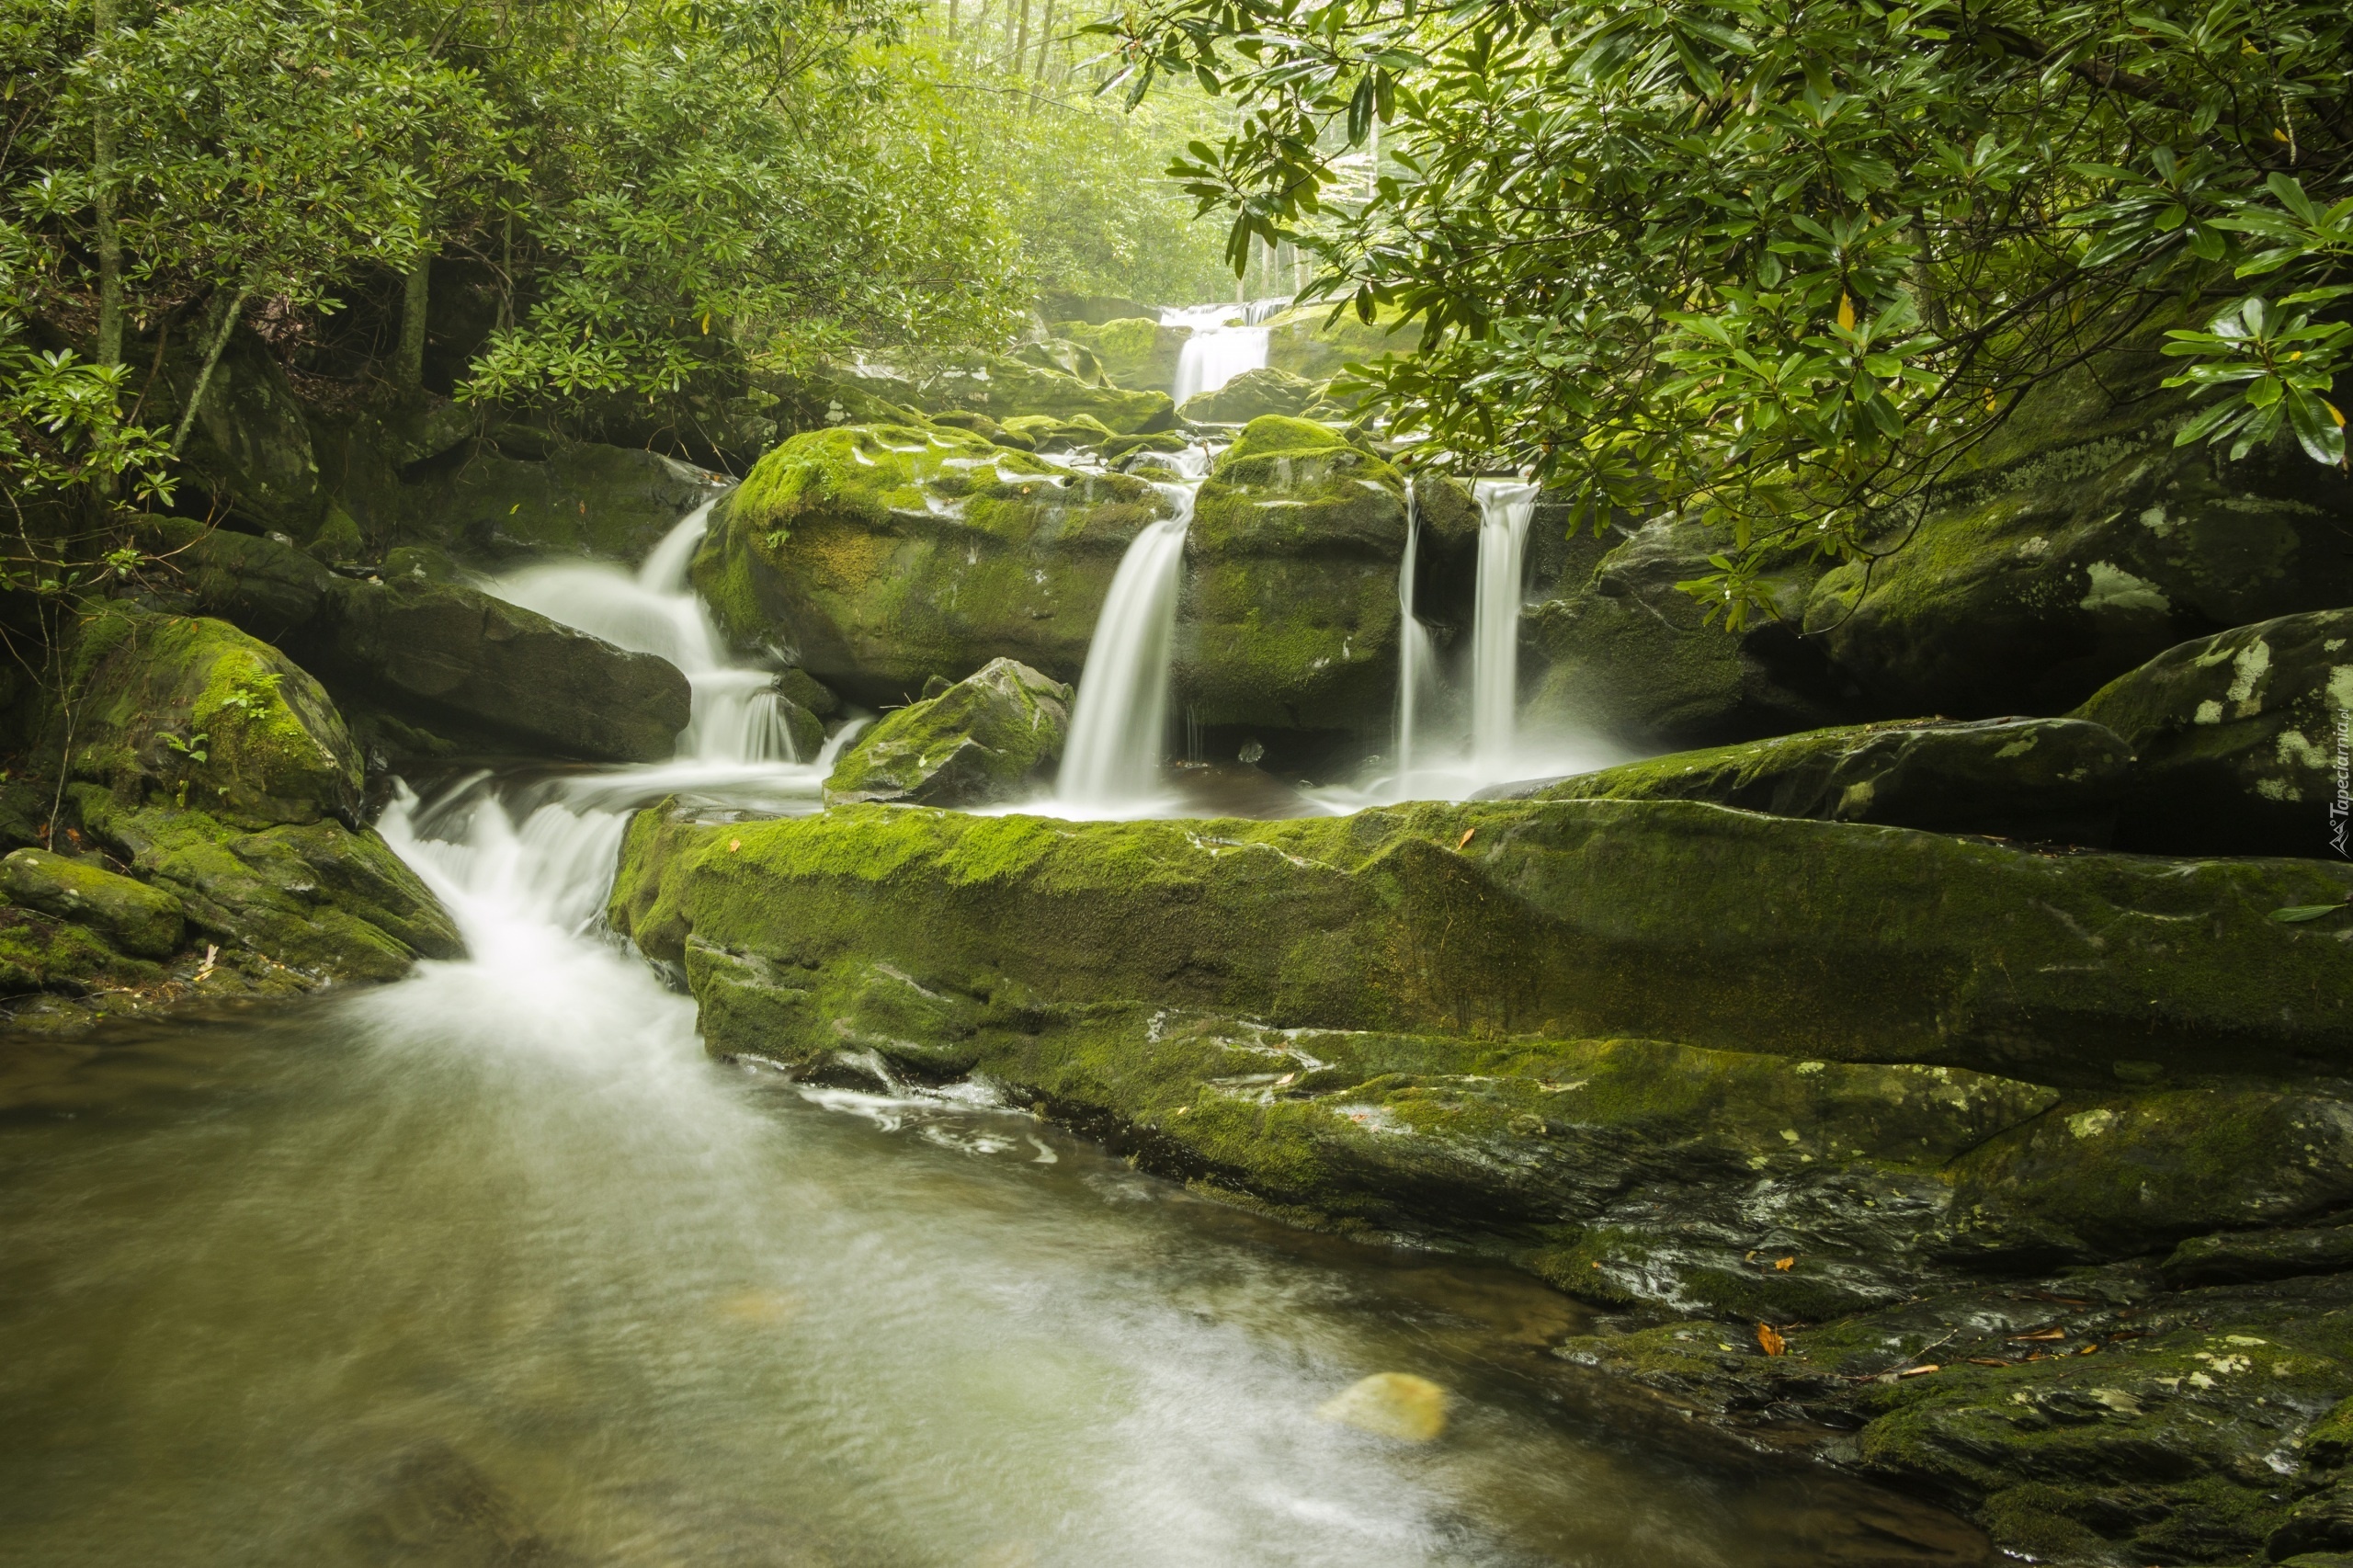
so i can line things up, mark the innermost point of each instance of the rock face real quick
(2035, 779)
(2242, 740)
(1865, 1086)
(1250, 394)
(1625, 652)
(2084, 546)
(1136, 352)
(250, 443)
(450, 654)
(501, 504)
(876, 557)
(994, 736)
(195, 711)
(1289, 615)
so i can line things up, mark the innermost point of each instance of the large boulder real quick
(1251, 394)
(994, 736)
(528, 496)
(131, 916)
(876, 557)
(2035, 779)
(1136, 352)
(2083, 544)
(195, 711)
(455, 659)
(250, 443)
(1311, 343)
(2242, 739)
(1004, 388)
(1616, 648)
(1288, 619)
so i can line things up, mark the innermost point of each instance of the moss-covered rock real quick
(2241, 740)
(41, 952)
(250, 444)
(131, 916)
(991, 736)
(322, 900)
(1620, 650)
(1289, 615)
(259, 585)
(1136, 352)
(1054, 435)
(876, 557)
(193, 710)
(2039, 778)
(1005, 388)
(1069, 356)
(2092, 545)
(1251, 394)
(450, 656)
(1310, 343)
(2241, 1257)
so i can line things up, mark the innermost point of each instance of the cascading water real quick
(1119, 728)
(1505, 508)
(1216, 353)
(1417, 657)
(737, 716)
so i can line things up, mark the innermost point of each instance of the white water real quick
(1216, 353)
(1505, 508)
(1112, 761)
(1416, 655)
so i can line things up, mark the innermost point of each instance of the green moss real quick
(1137, 352)
(39, 952)
(1307, 341)
(131, 916)
(987, 737)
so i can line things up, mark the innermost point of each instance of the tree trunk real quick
(1021, 43)
(951, 23)
(1045, 41)
(408, 360)
(228, 323)
(110, 350)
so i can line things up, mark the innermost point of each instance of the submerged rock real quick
(1390, 1405)
(2037, 778)
(875, 557)
(2242, 740)
(450, 655)
(991, 736)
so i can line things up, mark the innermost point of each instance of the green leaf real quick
(2296, 914)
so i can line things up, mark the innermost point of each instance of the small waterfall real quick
(1417, 657)
(1505, 508)
(1216, 353)
(737, 716)
(1120, 726)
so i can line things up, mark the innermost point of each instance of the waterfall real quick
(1505, 508)
(1216, 353)
(737, 716)
(1119, 728)
(1417, 662)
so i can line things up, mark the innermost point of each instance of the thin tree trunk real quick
(211, 359)
(1021, 44)
(1045, 43)
(951, 23)
(408, 360)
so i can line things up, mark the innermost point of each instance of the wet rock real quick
(876, 556)
(2035, 779)
(250, 443)
(130, 915)
(994, 736)
(1626, 653)
(322, 901)
(41, 952)
(2242, 740)
(259, 585)
(2084, 546)
(508, 502)
(1005, 388)
(2240, 1257)
(192, 710)
(1290, 616)
(450, 654)
(1250, 394)
(1390, 1405)
(1056, 436)
(805, 692)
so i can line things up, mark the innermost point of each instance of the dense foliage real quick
(1782, 262)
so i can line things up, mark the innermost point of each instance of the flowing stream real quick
(1118, 727)
(1216, 353)
(1417, 654)
(1505, 508)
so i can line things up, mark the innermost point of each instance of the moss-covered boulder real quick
(1136, 352)
(41, 952)
(139, 920)
(1251, 394)
(2241, 740)
(194, 711)
(454, 658)
(259, 585)
(1067, 355)
(1053, 436)
(497, 503)
(1289, 617)
(2084, 546)
(1004, 388)
(1617, 649)
(250, 443)
(876, 557)
(1310, 343)
(326, 903)
(2037, 778)
(991, 736)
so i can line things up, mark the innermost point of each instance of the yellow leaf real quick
(705, 324)
(1916, 1371)
(2278, 134)
(1770, 1341)
(1465, 839)
(1845, 313)
(1786, 1263)
(734, 845)
(2334, 412)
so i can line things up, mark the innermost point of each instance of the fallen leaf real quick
(2088, 1350)
(1469, 831)
(2043, 1333)
(1785, 1265)
(1916, 1372)
(734, 845)
(1990, 1362)
(1769, 1340)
